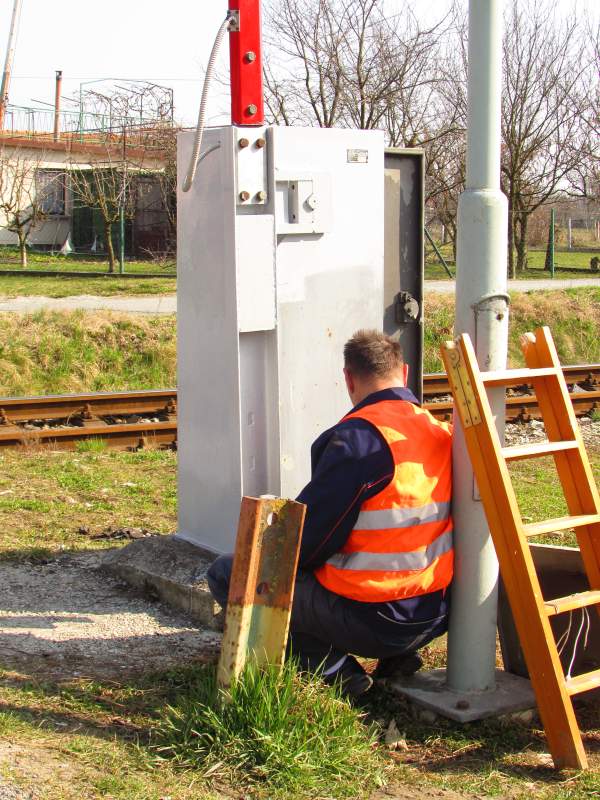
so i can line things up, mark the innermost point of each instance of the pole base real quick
(429, 690)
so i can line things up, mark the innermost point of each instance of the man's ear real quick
(405, 374)
(349, 380)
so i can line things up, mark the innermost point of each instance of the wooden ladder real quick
(531, 612)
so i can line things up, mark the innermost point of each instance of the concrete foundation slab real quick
(172, 569)
(429, 690)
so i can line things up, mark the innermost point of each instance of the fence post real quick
(550, 249)
(121, 239)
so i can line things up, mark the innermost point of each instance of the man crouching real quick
(376, 555)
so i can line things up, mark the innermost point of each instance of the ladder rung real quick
(560, 524)
(516, 377)
(583, 683)
(572, 601)
(537, 449)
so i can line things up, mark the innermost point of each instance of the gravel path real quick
(155, 304)
(10, 792)
(65, 619)
(167, 304)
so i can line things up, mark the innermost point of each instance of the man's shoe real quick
(398, 666)
(351, 678)
(356, 685)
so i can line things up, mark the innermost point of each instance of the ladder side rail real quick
(516, 563)
(573, 467)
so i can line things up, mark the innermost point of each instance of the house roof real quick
(139, 146)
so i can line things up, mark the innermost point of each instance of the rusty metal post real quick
(262, 584)
(57, 93)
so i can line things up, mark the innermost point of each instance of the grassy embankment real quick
(88, 739)
(65, 286)
(51, 353)
(54, 353)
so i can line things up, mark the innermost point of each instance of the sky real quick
(163, 42)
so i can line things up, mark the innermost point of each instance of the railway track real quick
(132, 420)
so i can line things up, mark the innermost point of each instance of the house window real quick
(50, 191)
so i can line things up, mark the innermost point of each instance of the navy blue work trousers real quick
(324, 626)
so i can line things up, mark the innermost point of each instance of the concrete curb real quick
(172, 569)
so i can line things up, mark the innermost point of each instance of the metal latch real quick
(406, 308)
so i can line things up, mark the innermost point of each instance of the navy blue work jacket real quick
(351, 462)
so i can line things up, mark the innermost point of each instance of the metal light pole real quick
(57, 98)
(482, 312)
(10, 52)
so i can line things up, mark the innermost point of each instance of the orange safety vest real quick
(401, 543)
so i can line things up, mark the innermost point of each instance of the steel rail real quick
(586, 375)
(135, 419)
(87, 406)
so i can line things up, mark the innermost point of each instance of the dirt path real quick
(65, 619)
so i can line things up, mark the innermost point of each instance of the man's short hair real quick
(370, 353)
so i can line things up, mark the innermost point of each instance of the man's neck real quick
(378, 385)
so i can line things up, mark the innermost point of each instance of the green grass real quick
(99, 739)
(36, 260)
(568, 263)
(540, 495)
(505, 758)
(16, 286)
(63, 286)
(91, 446)
(54, 352)
(91, 740)
(277, 729)
(47, 497)
(283, 738)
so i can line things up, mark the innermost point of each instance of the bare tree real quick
(543, 103)
(134, 123)
(107, 185)
(584, 178)
(445, 149)
(445, 180)
(303, 79)
(345, 63)
(20, 204)
(163, 142)
(545, 69)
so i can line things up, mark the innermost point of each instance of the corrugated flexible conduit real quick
(196, 157)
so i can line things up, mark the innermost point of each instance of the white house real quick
(43, 166)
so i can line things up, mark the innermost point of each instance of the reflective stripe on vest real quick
(397, 562)
(401, 543)
(402, 517)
